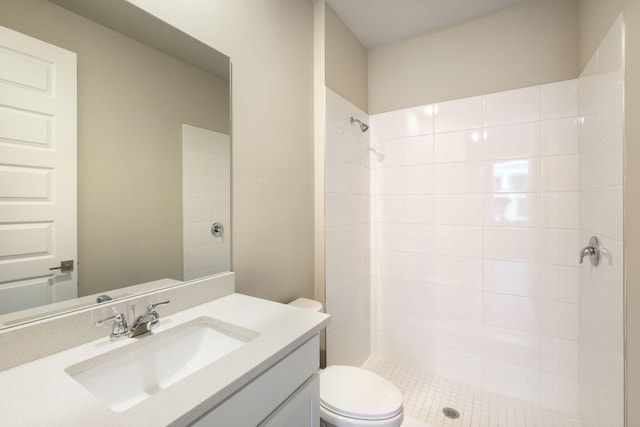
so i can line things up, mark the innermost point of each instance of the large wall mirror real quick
(153, 156)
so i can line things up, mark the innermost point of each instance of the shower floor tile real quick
(425, 395)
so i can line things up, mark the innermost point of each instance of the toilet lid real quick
(358, 393)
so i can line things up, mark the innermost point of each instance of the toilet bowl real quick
(355, 397)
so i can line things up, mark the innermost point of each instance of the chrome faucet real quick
(147, 321)
(141, 325)
(119, 330)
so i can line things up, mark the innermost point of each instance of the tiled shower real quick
(470, 218)
(474, 212)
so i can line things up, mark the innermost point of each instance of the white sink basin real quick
(125, 377)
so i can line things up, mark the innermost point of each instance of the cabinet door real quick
(267, 393)
(299, 410)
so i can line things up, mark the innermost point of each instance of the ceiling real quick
(376, 22)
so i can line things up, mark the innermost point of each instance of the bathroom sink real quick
(125, 377)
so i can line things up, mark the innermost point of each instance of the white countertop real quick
(41, 393)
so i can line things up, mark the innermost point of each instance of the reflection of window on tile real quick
(512, 208)
(511, 175)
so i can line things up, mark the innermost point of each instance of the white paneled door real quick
(37, 172)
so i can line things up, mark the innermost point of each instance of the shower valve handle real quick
(592, 251)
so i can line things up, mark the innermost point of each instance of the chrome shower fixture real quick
(363, 126)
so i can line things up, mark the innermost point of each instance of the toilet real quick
(355, 397)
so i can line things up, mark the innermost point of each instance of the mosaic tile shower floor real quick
(425, 395)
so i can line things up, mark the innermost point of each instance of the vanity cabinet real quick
(300, 410)
(287, 394)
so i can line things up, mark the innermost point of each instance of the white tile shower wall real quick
(206, 193)
(475, 207)
(601, 187)
(347, 231)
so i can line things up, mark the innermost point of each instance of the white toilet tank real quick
(308, 304)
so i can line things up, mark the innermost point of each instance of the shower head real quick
(363, 126)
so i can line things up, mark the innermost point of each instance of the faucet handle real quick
(119, 330)
(592, 251)
(149, 320)
(153, 307)
(586, 252)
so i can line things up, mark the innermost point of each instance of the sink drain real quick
(451, 413)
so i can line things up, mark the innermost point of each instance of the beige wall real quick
(595, 17)
(271, 48)
(345, 61)
(129, 147)
(527, 44)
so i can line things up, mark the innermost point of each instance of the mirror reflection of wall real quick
(132, 102)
